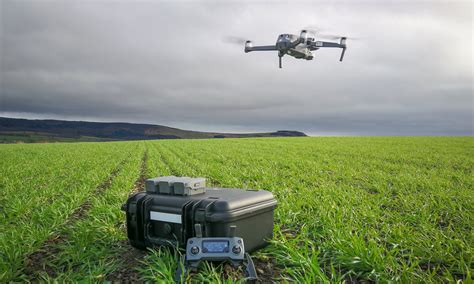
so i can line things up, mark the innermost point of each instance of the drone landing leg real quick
(279, 60)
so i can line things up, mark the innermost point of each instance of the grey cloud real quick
(166, 63)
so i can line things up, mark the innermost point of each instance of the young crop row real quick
(42, 186)
(93, 247)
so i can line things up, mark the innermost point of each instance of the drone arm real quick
(261, 48)
(342, 53)
(319, 44)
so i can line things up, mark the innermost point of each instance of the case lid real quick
(228, 199)
(221, 204)
(234, 203)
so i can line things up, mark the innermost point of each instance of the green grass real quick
(350, 208)
(41, 187)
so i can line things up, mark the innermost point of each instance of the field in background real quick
(350, 208)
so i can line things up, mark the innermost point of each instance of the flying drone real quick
(300, 47)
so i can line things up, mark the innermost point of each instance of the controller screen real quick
(215, 246)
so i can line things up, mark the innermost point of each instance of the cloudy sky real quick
(167, 62)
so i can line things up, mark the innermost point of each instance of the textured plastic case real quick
(160, 219)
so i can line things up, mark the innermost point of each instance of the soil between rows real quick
(127, 272)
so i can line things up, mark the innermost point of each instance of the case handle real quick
(198, 230)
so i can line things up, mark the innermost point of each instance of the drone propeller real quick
(313, 29)
(332, 36)
(308, 33)
(234, 40)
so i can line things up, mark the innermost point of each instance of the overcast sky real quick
(166, 62)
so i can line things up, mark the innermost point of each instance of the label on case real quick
(165, 217)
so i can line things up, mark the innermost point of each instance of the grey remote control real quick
(214, 249)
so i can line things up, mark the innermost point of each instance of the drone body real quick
(300, 47)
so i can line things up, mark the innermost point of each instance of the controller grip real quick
(250, 271)
(181, 272)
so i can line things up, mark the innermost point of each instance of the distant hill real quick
(26, 130)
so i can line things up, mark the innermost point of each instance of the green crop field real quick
(353, 209)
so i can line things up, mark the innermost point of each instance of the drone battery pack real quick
(155, 218)
(175, 185)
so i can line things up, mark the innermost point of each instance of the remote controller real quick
(215, 249)
(230, 249)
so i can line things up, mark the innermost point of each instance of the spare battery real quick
(175, 185)
(189, 186)
(151, 185)
(159, 218)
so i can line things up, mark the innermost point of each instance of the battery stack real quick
(172, 185)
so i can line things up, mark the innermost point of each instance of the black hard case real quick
(251, 211)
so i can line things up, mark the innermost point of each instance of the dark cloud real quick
(167, 63)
